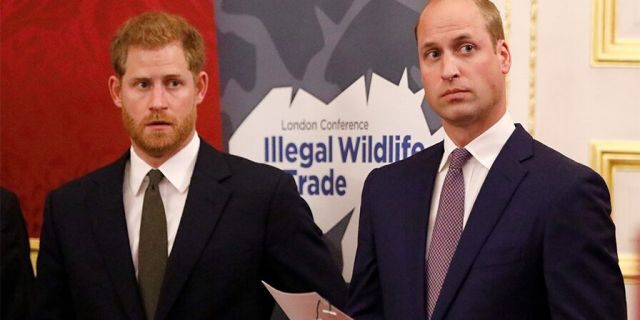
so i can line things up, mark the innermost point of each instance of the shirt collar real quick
(486, 147)
(177, 169)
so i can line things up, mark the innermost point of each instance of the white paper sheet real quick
(305, 306)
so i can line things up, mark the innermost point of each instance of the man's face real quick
(463, 73)
(158, 95)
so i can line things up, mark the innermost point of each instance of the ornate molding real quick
(608, 48)
(607, 157)
(533, 56)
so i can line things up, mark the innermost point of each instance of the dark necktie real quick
(152, 249)
(447, 229)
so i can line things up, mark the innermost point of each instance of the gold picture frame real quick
(607, 157)
(608, 48)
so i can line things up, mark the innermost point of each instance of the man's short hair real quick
(491, 16)
(154, 30)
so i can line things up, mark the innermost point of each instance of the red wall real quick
(57, 121)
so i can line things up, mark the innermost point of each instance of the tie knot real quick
(155, 176)
(458, 157)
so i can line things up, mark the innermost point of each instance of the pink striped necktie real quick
(447, 229)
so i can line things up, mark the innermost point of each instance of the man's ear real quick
(505, 56)
(201, 82)
(115, 86)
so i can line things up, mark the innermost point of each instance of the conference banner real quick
(327, 91)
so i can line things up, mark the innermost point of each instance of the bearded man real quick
(174, 229)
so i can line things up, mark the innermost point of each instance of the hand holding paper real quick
(305, 306)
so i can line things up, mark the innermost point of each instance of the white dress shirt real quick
(484, 150)
(174, 187)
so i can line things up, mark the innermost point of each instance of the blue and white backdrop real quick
(326, 90)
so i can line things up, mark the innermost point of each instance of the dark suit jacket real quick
(539, 242)
(16, 274)
(243, 222)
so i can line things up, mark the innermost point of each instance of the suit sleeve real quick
(52, 299)
(298, 260)
(16, 274)
(581, 269)
(365, 296)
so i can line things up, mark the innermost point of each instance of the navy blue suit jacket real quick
(539, 242)
(243, 222)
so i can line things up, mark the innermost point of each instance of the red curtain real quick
(57, 121)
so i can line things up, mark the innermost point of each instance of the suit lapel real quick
(503, 179)
(106, 209)
(421, 177)
(204, 205)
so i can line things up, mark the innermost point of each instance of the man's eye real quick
(174, 83)
(142, 84)
(467, 48)
(433, 54)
